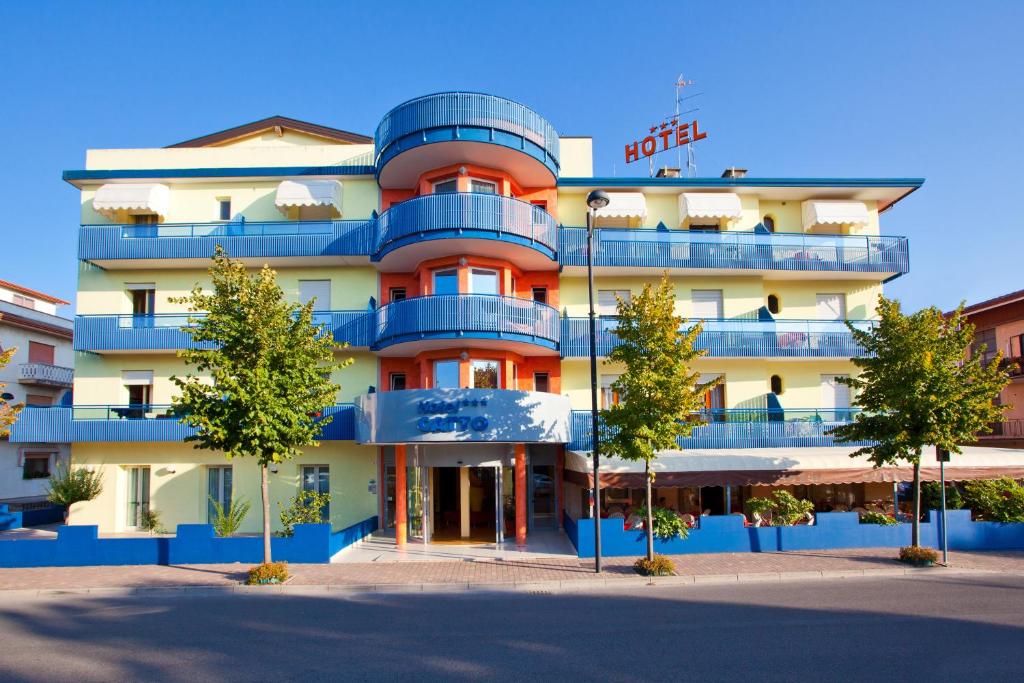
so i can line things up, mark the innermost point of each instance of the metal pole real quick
(593, 393)
(942, 486)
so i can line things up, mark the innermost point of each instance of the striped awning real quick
(714, 205)
(307, 193)
(135, 198)
(834, 213)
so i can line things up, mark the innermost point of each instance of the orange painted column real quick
(401, 498)
(520, 494)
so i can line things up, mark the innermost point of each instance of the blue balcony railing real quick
(466, 316)
(736, 250)
(466, 116)
(241, 239)
(463, 215)
(135, 422)
(745, 428)
(745, 338)
(167, 331)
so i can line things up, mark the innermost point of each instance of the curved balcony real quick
(490, 225)
(465, 128)
(479, 320)
(167, 331)
(854, 256)
(735, 338)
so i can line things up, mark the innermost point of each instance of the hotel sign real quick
(668, 135)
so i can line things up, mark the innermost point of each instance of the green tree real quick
(259, 391)
(917, 387)
(8, 411)
(660, 397)
(69, 485)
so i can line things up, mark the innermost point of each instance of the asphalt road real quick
(956, 628)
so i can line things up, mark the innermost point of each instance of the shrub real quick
(73, 485)
(666, 524)
(999, 500)
(268, 573)
(304, 509)
(227, 523)
(918, 556)
(880, 518)
(784, 507)
(659, 566)
(149, 520)
(931, 496)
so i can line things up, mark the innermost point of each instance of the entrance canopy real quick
(786, 467)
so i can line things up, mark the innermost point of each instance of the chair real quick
(758, 519)
(616, 515)
(688, 519)
(743, 517)
(809, 516)
(706, 513)
(635, 522)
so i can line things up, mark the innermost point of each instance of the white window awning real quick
(624, 205)
(136, 198)
(715, 205)
(834, 213)
(308, 193)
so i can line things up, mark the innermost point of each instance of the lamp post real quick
(598, 199)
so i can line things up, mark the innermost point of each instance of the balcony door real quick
(831, 306)
(707, 304)
(835, 398)
(482, 281)
(446, 374)
(138, 497)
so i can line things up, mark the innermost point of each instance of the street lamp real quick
(597, 199)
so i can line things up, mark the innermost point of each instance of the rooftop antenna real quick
(691, 162)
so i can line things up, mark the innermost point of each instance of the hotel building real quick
(449, 252)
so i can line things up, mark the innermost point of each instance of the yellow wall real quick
(180, 497)
(576, 157)
(292, 153)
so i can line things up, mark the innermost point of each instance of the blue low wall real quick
(726, 534)
(9, 520)
(192, 544)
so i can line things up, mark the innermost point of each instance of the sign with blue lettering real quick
(452, 415)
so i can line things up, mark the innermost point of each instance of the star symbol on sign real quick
(664, 126)
(654, 128)
(675, 122)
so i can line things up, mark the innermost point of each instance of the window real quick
(397, 381)
(138, 496)
(218, 488)
(139, 385)
(396, 294)
(446, 186)
(541, 381)
(834, 396)
(143, 298)
(606, 300)
(706, 227)
(145, 219)
(483, 186)
(35, 466)
(776, 384)
(714, 398)
(318, 290)
(318, 478)
(609, 397)
(986, 338)
(40, 353)
(225, 208)
(769, 223)
(446, 374)
(707, 304)
(483, 281)
(446, 281)
(540, 294)
(484, 374)
(24, 301)
(773, 303)
(38, 400)
(831, 306)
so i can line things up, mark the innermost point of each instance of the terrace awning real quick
(715, 205)
(624, 205)
(308, 193)
(834, 213)
(136, 198)
(787, 466)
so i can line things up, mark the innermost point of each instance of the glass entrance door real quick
(542, 497)
(418, 486)
(138, 496)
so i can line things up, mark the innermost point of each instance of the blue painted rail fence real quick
(736, 250)
(78, 546)
(832, 530)
(473, 316)
(734, 338)
(466, 215)
(744, 428)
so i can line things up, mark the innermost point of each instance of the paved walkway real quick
(380, 547)
(538, 573)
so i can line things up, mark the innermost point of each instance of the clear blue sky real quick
(864, 88)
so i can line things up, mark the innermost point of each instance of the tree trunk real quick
(915, 528)
(649, 523)
(265, 493)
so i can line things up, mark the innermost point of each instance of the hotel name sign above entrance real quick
(665, 136)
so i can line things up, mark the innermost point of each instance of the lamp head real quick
(598, 199)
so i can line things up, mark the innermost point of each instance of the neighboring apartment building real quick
(449, 252)
(39, 374)
(999, 327)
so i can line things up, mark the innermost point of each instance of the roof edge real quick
(285, 122)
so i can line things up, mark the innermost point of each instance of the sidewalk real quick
(498, 574)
